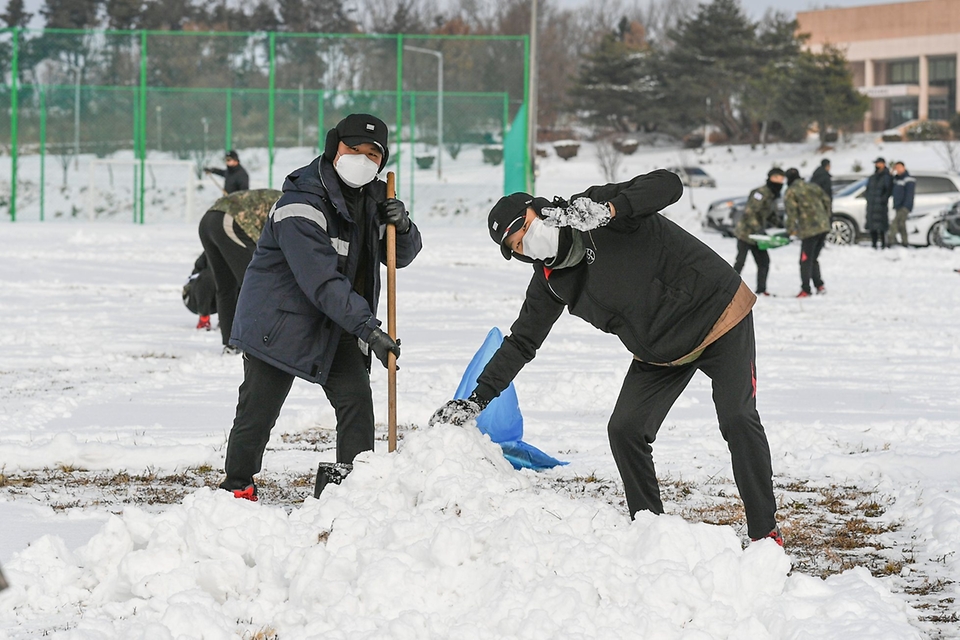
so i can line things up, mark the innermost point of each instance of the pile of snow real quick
(441, 540)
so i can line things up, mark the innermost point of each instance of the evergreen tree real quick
(16, 14)
(618, 84)
(712, 56)
(123, 14)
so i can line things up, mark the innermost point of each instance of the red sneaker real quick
(821, 290)
(248, 493)
(774, 535)
(803, 294)
(204, 323)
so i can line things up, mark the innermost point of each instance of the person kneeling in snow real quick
(678, 307)
(308, 304)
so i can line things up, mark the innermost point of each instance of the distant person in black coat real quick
(879, 190)
(822, 178)
(235, 177)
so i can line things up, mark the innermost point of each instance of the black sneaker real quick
(230, 350)
(330, 473)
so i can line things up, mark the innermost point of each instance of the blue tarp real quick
(502, 420)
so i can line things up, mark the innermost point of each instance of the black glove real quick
(458, 412)
(382, 344)
(392, 211)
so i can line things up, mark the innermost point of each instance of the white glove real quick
(583, 214)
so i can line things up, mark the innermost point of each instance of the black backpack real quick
(200, 290)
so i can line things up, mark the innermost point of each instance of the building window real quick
(943, 73)
(943, 69)
(902, 110)
(905, 72)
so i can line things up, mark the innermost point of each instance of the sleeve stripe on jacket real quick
(300, 210)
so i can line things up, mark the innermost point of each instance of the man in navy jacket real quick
(904, 186)
(308, 305)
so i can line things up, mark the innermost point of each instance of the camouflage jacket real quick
(761, 213)
(808, 210)
(248, 208)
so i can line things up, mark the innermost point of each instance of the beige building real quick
(903, 56)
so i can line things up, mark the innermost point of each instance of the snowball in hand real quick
(583, 214)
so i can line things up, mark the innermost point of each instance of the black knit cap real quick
(355, 129)
(792, 175)
(506, 217)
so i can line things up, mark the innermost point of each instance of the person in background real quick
(761, 213)
(879, 190)
(822, 178)
(904, 186)
(235, 177)
(308, 305)
(808, 218)
(608, 256)
(229, 231)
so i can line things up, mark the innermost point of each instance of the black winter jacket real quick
(298, 293)
(643, 279)
(822, 178)
(234, 178)
(879, 190)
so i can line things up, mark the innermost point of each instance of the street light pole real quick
(439, 55)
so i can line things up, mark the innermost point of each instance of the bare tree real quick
(949, 152)
(609, 158)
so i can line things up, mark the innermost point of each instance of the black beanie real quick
(792, 175)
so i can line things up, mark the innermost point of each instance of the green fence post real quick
(228, 121)
(43, 149)
(135, 93)
(14, 97)
(321, 95)
(399, 133)
(271, 105)
(143, 118)
(413, 142)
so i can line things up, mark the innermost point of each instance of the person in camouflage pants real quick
(761, 213)
(229, 231)
(808, 218)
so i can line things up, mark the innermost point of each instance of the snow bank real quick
(441, 540)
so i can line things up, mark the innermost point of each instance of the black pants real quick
(262, 394)
(810, 249)
(229, 251)
(761, 257)
(878, 235)
(649, 392)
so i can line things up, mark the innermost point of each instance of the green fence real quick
(115, 124)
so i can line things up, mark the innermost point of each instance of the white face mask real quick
(541, 242)
(356, 169)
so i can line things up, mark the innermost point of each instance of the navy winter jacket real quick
(903, 188)
(298, 293)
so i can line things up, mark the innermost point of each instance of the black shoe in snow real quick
(230, 350)
(330, 473)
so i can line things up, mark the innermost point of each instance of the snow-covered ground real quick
(102, 376)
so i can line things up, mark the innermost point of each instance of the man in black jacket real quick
(678, 307)
(235, 177)
(822, 178)
(904, 187)
(308, 305)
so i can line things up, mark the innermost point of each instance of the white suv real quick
(933, 191)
